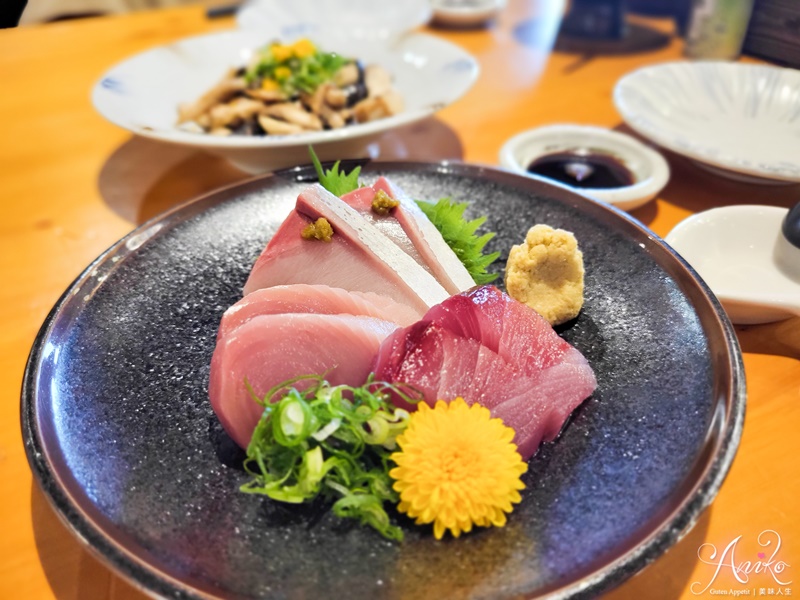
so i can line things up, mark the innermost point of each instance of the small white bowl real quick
(142, 94)
(650, 170)
(745, 259)
(465, 13)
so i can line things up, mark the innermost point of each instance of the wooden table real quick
(72, 184)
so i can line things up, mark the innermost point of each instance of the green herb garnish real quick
(328, 441)
(293, 68)
(448, 217)
(336, 182)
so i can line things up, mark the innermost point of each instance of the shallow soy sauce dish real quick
(120, 434)
(647, 171)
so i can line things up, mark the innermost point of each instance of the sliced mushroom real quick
(276, 127)
(377, 79)
(234, 112)
(379, 107)
(228, 87)
(220, 131)
(347, 75)
(332, 117)
(336, 97)
(393, 101)
(294, 113)
(266, 95)
(314, 102)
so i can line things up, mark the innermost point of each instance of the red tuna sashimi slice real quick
(359, 257)
(515, 331)
(439, 364)
(270, 349)
(412, 231)
(442, 365)
(524, 373)
(540, 413)
(317, 299)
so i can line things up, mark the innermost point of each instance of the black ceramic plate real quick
(120, 434)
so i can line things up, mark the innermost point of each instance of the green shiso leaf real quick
(332, 442)
(460, 235)
(336, 182)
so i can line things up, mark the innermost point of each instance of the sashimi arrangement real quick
(371, 361)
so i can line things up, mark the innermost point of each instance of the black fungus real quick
(250, 127)
(355, 93)
(358, 90)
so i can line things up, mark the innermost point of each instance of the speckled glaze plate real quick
(120, 434)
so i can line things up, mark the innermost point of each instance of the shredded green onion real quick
(292, 73)
(329, 441)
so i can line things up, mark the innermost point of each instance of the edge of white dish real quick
(323, 19)
(648, 166)
(451, 14)
(635, 105)
(745, 260)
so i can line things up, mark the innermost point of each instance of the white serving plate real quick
(744, 258)
(142, 94)
(739, 120)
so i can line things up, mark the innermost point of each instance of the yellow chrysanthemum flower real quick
(457, 468)
(303, 48)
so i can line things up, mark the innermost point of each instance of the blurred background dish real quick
(465, 13)
(744, 257)
(142, 94)
(737, 120)
(606, 165)
(333, 19)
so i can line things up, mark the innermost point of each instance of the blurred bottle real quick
(595, 19)
(717, 28)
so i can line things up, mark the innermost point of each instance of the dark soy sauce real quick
(583, 170)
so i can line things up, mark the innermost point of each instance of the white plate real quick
(142, 94)
(744, 258)
(739, 120)
(323, 19)
(465, 13)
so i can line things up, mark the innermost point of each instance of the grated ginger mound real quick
(546, 273)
